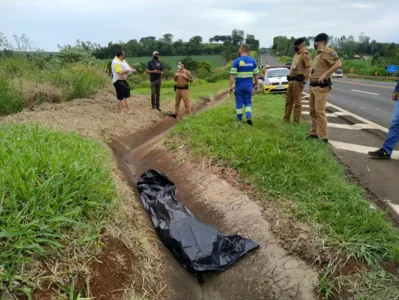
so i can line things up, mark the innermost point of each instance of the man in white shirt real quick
(120, 71)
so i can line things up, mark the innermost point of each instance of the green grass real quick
(11, 98)
(77, 80)
(214, 60)
(279, 162)
(198, 89)
(53, 191)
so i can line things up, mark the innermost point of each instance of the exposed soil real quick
(113, 271)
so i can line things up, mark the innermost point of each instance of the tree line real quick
(225, 45)
(347, 47)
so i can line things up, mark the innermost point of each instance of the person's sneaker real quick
(158, 109)
(249, 122)
(173, 116)
(312, 137)
(380, 154)
(324, 141)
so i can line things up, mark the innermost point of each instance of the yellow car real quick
(275, 80)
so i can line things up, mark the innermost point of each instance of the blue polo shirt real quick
(396, 88)
(244, 68)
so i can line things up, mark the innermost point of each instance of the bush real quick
(11, 98)
(202, 73)
(284, 59)
(223, 75)
(54, 189)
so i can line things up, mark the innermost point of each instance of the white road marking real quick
(336, 114)
(393, 207)
(365, 92)
(351, 127)
(348, 113)
(358, 148)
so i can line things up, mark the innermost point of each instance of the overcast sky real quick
(49, 22)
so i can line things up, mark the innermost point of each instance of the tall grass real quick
(78, 80)
(54, 188)
(279, 162)
(11, 97)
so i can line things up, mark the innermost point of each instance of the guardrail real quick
(382, 78)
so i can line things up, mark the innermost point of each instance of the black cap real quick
(299, 41)
(321, 37)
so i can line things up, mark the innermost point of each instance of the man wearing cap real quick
(324, 64)
(155, 69)
(299, 74)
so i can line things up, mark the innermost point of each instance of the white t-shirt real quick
(118, 66)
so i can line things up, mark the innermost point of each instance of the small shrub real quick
(202, 73)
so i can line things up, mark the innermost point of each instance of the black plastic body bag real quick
(197, 246)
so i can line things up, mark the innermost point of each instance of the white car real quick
(338, 74)
(275, 80)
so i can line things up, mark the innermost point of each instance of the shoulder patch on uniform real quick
(308, 58)
(333, 54)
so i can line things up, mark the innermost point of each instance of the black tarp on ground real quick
(197, 246)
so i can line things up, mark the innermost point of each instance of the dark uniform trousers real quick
(155, 93)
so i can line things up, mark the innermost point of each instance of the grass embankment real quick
(278, 162)
(26, 81)
(214, 60)
(53, 193)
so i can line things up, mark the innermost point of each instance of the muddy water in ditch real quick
(268, 273)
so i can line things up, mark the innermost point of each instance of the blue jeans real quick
(243, 98)
(393, 134)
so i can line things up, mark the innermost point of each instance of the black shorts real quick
(122, 89)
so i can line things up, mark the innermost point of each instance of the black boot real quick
(312, 137)
(249, 122)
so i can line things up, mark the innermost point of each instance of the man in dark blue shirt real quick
(243, 72)
(155, 69)
(393, 135)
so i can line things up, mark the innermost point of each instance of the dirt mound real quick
(96, 118)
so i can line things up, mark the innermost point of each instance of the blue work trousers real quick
(243, 99)
(393, 134)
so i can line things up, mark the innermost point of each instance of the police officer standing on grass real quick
(299, 74)
(155, 69)
(182, 79)
(325, 63)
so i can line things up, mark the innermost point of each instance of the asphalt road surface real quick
(371, 100)
(267, 59)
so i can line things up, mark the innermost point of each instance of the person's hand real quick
(322, 78)
(230, 90)
(160, 72)
(395, 96)
(256, 88)
(134, 70)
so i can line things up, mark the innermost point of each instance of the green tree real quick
(189, 63)
(237, 37)
(376, 61)
(252, 42)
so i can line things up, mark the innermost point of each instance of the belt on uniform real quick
(325, 83)
(181, 87)
(299, 78)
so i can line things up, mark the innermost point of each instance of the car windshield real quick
(277, 73)
(339, 71)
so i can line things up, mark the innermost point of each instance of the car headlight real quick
(268, 82)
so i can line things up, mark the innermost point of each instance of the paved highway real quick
(267, 59)
(371, 100)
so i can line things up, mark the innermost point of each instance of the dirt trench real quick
(269, 273)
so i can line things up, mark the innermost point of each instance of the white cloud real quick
(49, 23)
